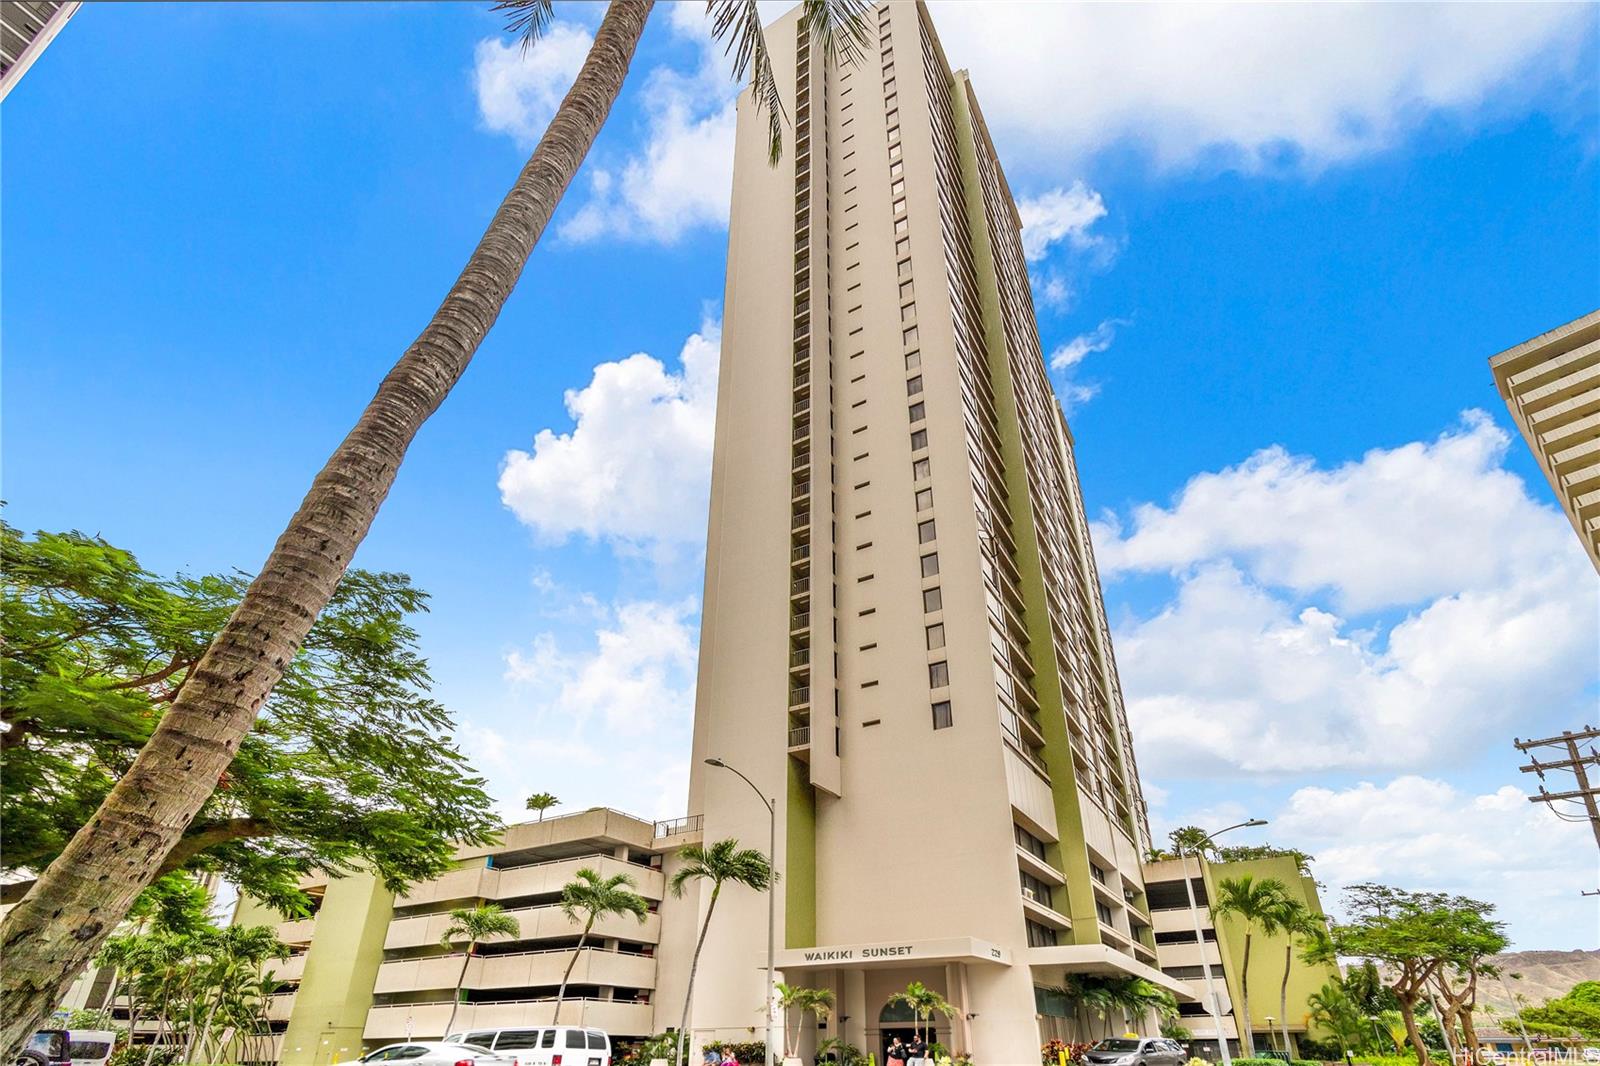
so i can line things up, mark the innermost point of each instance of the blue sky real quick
(1338, 583)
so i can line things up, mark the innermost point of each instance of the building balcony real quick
(297, 932)
(487, 882)
(291, 969)
(280, 1006)
(535, 923)
(426, 1021)
(800, 697)
(529, 969)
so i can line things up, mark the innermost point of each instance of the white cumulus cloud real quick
(679, 176)
(1426, 835)
(518, 91)
(1252, 85)
(1393, 612)
(1063, 214)
(1074, 351)
(638, 678)
(635, 469)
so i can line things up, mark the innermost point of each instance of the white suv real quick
(545, 1045)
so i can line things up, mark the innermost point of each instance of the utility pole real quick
(1577, 763)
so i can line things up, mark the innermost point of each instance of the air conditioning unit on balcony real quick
(1029, 895)
(1128, 894)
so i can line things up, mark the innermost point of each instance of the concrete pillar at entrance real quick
(955, 979)
(853, 1005)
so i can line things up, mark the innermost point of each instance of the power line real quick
(1577, 763)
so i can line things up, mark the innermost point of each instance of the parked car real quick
(544, 1045)
(90, 1047)
(68, 1047)
(436, 1053)
(1144, 1051)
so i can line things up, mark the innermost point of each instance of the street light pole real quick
(772, 900)
(1200, 937)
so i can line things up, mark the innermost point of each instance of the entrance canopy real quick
(894, 953)
(1050, 967)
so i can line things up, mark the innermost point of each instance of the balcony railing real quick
(799, 622)
(800, 519)
(800, 736)
(799, 585)
(799, 697)
(672, 827)
(800, 658)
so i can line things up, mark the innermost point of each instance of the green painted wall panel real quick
(800, 861)
(330, 1010)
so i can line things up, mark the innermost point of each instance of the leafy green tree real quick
(924, 1003)
(1249, 852)
(1333, 1011)
(347, 765)
(1415, 936)
(541, 802)
(797, 1002)
(1577, 1011)
(79, 900)
(1191, 840)
(1256, 902)
(588, 898)
(723, 863)
(470, 925)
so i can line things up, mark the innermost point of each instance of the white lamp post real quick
(772, 901)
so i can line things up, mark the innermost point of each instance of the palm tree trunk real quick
(1283, 995)
(76, 903)
(694, 964)
(455, 999)
(1246, 1033)
(561, 992)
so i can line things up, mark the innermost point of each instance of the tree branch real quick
(195, 841)
(160, 675)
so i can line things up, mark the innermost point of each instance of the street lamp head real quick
(1252, 823)
(714, 761)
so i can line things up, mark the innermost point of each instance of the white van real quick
(545, 1045)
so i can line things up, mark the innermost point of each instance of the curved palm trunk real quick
(694, 964)
(561, 993)
(1283, 996)
(455, 999)
(76, 903)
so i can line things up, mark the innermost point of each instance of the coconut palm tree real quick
(541, 802)
(924, 1003)
(1255, 902)
(723, 863)
(473, 924)
(81, 897)
(1300, 925)
(801, 1001)
(587, 898)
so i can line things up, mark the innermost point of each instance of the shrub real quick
(746, 1052)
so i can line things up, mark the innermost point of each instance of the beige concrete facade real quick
(368, 967)
(903, 641)
(1551, 385)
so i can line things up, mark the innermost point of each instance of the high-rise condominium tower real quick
(903, 641)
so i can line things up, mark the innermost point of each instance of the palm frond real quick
(738, 23)
(838, 28)
(527, 19)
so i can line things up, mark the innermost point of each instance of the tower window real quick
(942, 718)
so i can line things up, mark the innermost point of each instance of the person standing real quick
(917, 1052)
(896, 1055)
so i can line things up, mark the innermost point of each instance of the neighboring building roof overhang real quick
(893, 953)
(1051, 965)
